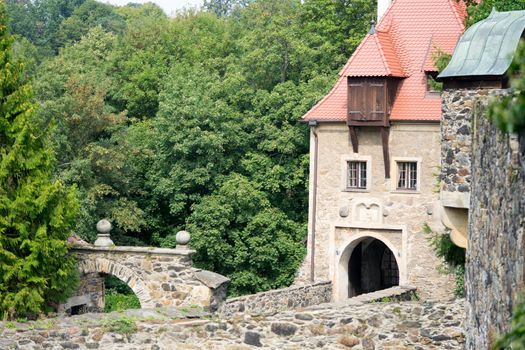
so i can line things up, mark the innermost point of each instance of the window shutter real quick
(376, 101)
(357, 99)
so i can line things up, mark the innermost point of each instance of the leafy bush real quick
(119, 302)
(515, 338)
(508, 113)
(122, 325)
(453, 256)
(119, 296)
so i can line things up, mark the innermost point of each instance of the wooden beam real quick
(386, 155)
(353, 138)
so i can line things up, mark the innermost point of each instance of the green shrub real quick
(119, 302)
(515, 338)
(122, 325)
(507, 113)
(453, 256)
(119, 296)
(459, 272)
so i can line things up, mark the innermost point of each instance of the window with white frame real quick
(407, 176)
(356, 177)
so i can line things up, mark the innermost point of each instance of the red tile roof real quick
(406, 38)
(375, 57)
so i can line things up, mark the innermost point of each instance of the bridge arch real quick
(122, 272)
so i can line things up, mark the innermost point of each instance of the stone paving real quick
(394, 325)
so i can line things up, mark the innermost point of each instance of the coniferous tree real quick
(36, 213)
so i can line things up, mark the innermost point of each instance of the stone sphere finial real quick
(104, 226)
(182, 238)
(103, 237)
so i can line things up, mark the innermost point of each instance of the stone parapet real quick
(280, 299)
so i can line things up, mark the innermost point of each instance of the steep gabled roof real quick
(402, 46)
(375, 57)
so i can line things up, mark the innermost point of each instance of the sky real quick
(169, 6)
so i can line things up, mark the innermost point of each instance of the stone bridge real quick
(159, 277)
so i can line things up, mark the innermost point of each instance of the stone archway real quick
(159, 277)
(125, 274)
(368, 262)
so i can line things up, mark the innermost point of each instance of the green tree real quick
(87, 16)
(223, 7)
(508, 112)
(36, 213)
(39, 21)
(478, 11)
(237, 233)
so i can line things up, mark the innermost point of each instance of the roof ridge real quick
(456, 14)
(383, 58)
(388, 10)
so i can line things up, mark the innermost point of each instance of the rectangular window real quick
(407, 176)
(356, 175)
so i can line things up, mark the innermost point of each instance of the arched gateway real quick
(367, 263)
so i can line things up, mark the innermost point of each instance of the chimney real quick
(382, 6)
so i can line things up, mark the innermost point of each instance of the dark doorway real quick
(79, 309)
(371, 267)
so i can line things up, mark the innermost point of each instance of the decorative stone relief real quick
(367, 210)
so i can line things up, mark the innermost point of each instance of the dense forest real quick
(189, 122)
(192, 122)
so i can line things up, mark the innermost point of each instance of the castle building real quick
(375, 156)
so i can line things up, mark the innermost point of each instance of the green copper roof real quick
(487, 47)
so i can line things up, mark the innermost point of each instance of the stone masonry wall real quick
(404, 325)
(280, 299)
(495, 257)
(457, 141)
(159, 277)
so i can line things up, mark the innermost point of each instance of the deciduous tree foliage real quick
(193, 122)
(478, 10)
(36, 212)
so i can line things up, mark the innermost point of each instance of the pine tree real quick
(36, 212)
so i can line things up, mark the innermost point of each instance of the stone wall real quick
(456, 140)
(405, 325)
(89, 296)
(158, 277)
(495, 257)
(280, 299)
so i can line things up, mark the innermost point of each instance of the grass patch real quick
(119, 296)
(122, 325)
(120, 302)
